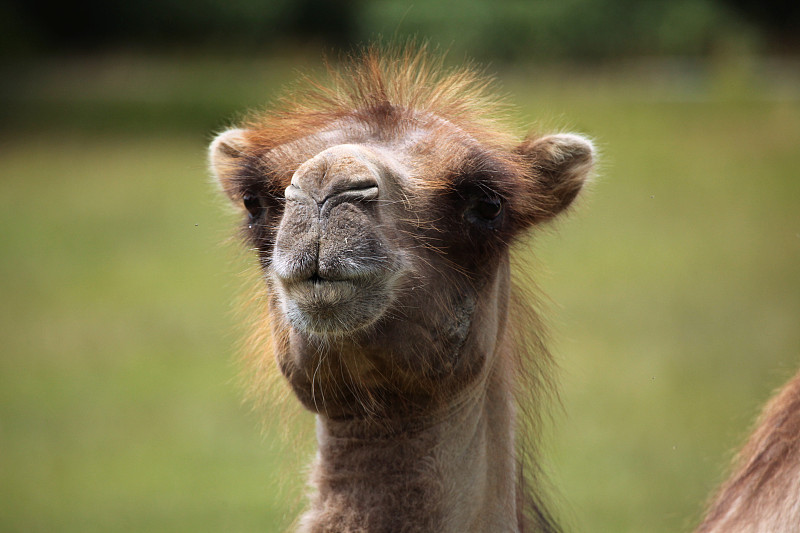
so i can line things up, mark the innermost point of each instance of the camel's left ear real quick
(559, 165)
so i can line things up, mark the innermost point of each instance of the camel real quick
(762, 495)
(383, 207)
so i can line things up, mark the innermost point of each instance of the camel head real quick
(381, 209)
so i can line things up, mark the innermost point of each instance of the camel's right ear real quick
(225, 156)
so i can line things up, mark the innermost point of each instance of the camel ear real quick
(224, 157)
(560, 164)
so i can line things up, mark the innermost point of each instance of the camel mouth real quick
(322, 306)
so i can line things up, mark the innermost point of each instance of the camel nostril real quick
(355, 194)
(335, 193)
(344, 172)
(295, 193)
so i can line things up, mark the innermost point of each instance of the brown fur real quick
(413, 374)
(763, 493)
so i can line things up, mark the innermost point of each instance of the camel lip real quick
(320, 306)
(315, 282)
(316, 291)
(364, 278)
(319, 279)
(332, 307)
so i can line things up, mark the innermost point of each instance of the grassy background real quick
(676, 284)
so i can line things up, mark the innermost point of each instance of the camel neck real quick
(455, 474)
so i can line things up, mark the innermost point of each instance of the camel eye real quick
(253, 205)
(484, 210)
(488, 208)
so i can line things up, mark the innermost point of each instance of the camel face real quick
(383, 231)
(362, 232)
(380, 257)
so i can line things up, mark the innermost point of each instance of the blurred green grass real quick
(676, 282)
